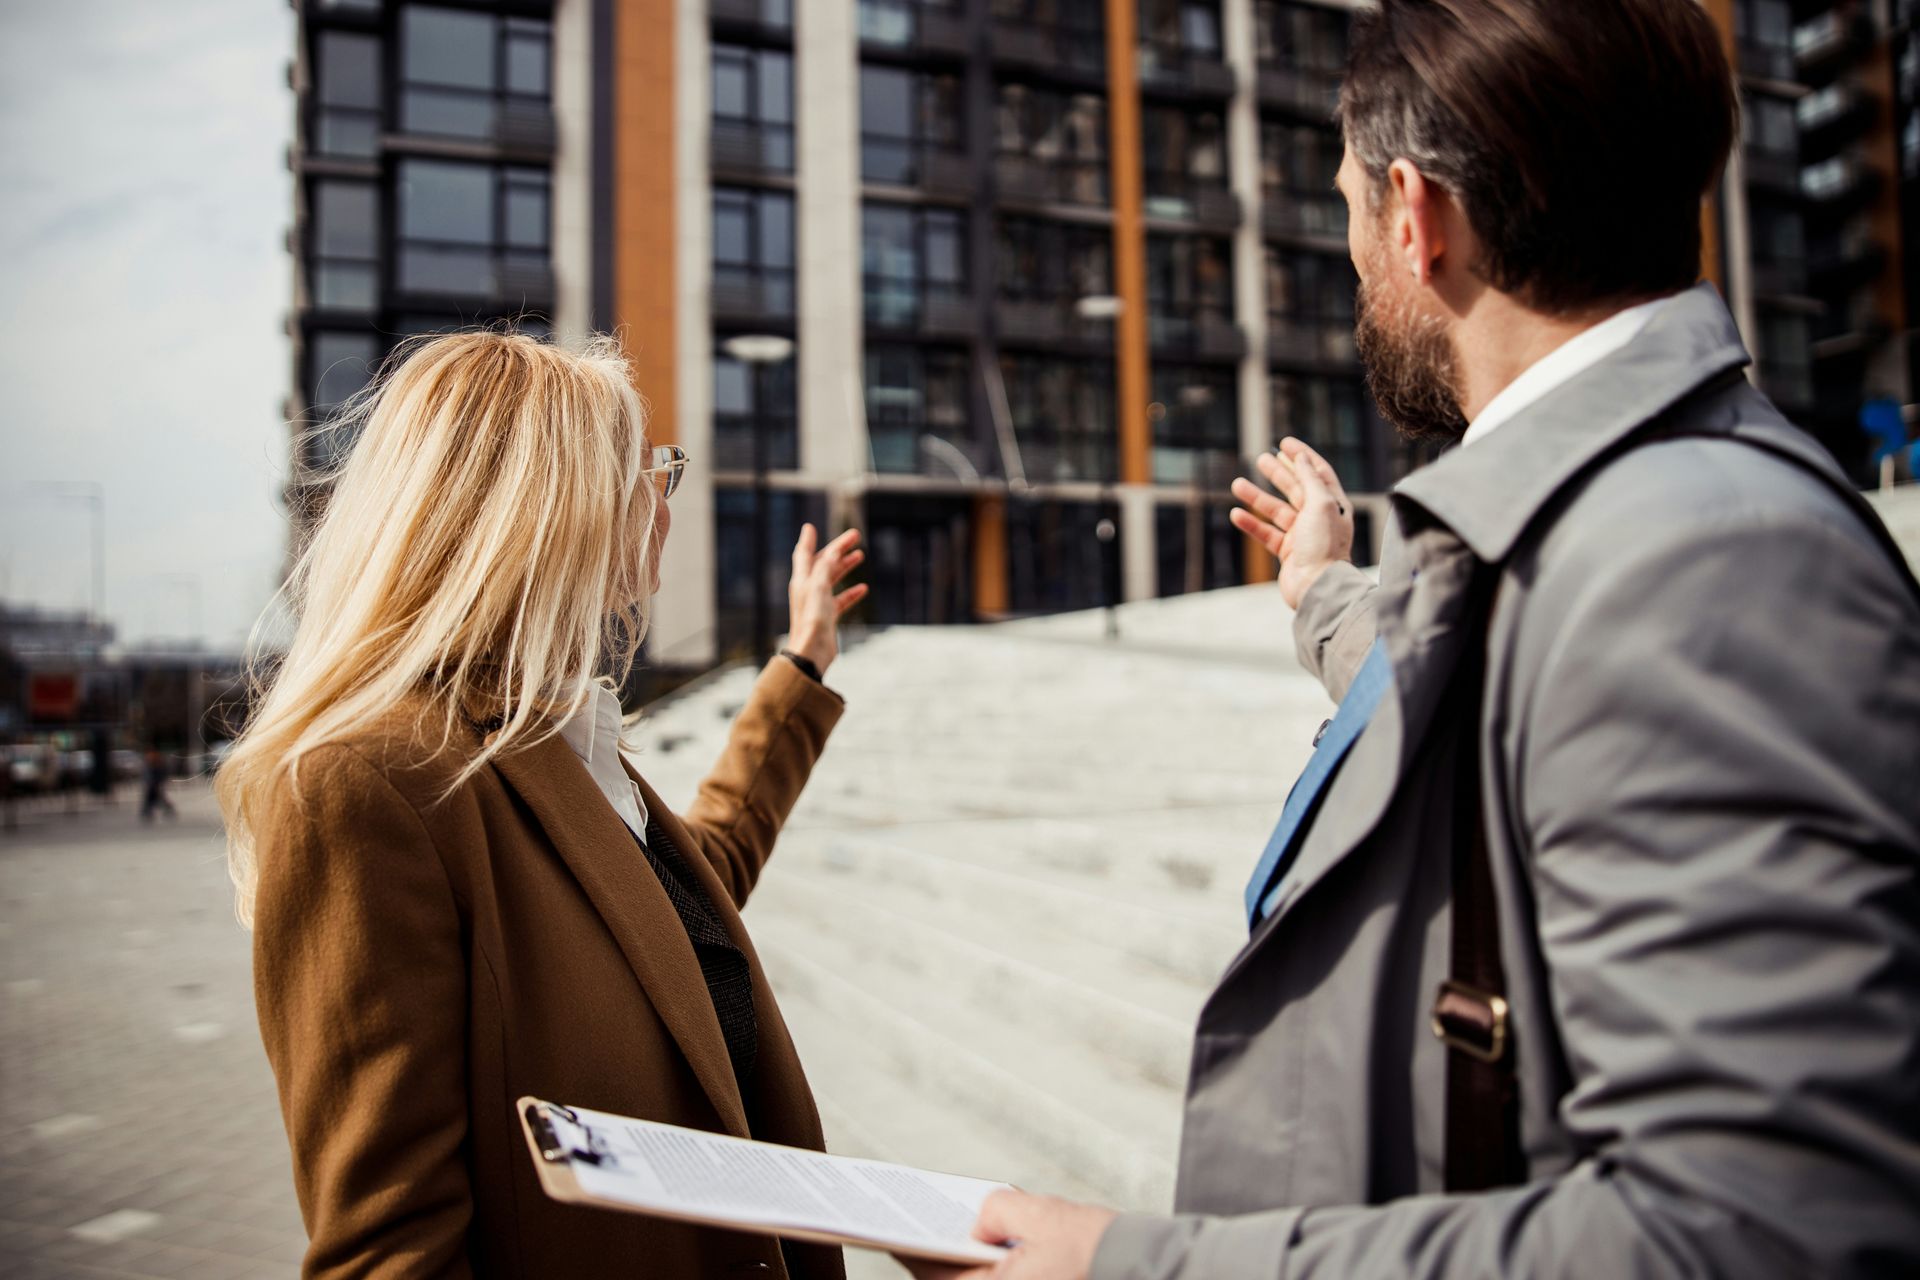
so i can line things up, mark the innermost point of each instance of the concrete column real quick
(1249, 250)
(573, 90)
(826, 62)
(1138, 562)
(684, 611)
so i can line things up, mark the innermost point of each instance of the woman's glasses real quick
(669, 467)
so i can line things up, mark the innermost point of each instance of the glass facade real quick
(1055, 140)
(1062, 414)
(753, 106)
(753, 252)
(907, 117)
(911, 255)
(460, 70)
(470, 230)
(917, 415)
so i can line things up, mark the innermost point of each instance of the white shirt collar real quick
(1561, 365)
(594, 734)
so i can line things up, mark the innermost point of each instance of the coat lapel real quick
(597, 847)
(1427, 621)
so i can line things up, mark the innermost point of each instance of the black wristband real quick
(805, 664)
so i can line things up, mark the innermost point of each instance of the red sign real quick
(53, 696)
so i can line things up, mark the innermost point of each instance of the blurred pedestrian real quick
(460, 891)
(154, 799)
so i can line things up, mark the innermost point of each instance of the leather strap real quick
(1470, 1012)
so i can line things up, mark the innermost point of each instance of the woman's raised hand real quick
(815, 608)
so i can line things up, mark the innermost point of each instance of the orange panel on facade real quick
(645, 249)
(1129, 242)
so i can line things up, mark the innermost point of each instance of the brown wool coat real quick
(419, 966)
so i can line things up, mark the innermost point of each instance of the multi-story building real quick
(426, 160)
(1815, 216)
(1047, 271)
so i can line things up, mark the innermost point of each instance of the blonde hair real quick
(486, 546)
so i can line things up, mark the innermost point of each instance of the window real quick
(1310, 289)
(915, 392)
(1062, 412)
(910, 254)
(1197, 547)
(1301, 37)
(1184, 150)
(339, 365)
(753, 251)
(1189, 27)
(744, 395)
(1779, 232)
(471, 230)
(458, 69)
(1188, 278)
(1298, 164)
(345, 269)
(896, 23)
(1766, 23)
(1041, 260)
(903, 115)
(1061, 133)
(1328, 414)
(734, 559)
(1769, 124)
(1078, 28)
(753, 103)
(1056, 559)
(346, 118)
(1196, 424)
(1786, 357)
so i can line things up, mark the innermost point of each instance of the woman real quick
(459, 892)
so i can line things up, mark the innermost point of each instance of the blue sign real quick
(1885, 426)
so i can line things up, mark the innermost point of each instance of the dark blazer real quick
(419, 965)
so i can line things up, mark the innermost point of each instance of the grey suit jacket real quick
(1700, 777)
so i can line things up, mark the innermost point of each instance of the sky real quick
(144, 286)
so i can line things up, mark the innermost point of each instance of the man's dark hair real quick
(1579, 136)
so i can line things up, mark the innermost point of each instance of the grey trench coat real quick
(1700, 774)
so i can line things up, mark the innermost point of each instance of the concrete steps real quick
(1014, 878)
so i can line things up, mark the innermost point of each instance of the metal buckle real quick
(1471, 1020)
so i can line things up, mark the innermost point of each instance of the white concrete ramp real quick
(1016, 874)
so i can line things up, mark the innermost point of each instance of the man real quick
(1623, 797)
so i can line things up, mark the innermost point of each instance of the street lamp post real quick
(1105, 306)
(195, 673)
(758, 351)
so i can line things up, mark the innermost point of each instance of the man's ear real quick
(1418, 221)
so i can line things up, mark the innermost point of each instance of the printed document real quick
(717, 1180)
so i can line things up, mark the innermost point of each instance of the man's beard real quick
(1412, 368)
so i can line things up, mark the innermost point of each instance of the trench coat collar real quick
(597, 847)
(1488, 494)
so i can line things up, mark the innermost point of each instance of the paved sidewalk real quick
(139, 1131)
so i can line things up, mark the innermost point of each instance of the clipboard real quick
(599, 1160)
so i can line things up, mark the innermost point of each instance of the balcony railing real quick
(1206, 201)
(1311, 343)
(1189, 72)
(1776, 171)
(525, 128)
(770, 15)
(749, 294)
(1207, 336)
(902, 162)
(1766, 61)
(1023, 178)
(1310, 95)
(898, 306)
(1314, 215)
(920, 448)
(740, 146)
(905, 24)
(1073, 51)
(1048, 322)
(505, 278)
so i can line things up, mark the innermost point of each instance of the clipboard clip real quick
(552, 1148)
